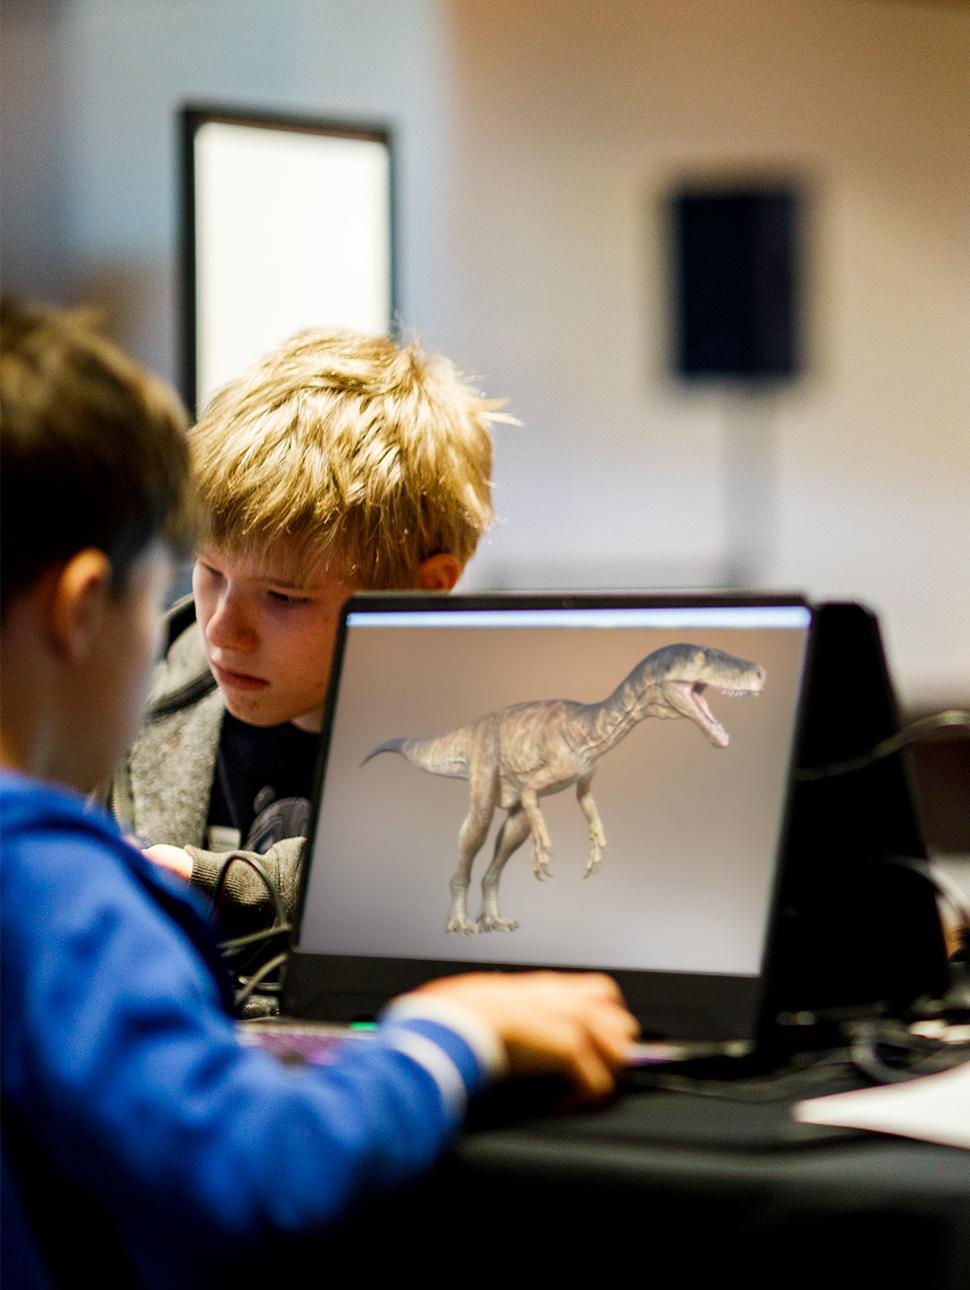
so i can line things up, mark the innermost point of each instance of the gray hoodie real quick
(162, 790)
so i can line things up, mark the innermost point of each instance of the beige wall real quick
(535, 141)
(572, 119)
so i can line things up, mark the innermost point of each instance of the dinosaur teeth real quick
(715, 731)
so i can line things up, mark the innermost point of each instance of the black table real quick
(681, 1190)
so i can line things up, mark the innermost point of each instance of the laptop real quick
(574, 782)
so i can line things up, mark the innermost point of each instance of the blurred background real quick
(536, 146)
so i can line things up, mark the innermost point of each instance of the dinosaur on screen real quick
(516, 755)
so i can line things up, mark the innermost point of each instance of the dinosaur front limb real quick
(597, 838)
(512, 834)
(541, 842)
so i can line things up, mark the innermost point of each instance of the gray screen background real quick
(692, 831)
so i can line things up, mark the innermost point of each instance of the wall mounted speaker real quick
(736, 279)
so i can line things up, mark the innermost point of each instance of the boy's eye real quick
(281, 598)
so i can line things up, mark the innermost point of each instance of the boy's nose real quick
(229, 629)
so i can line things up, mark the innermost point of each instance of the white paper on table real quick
(934, 1108)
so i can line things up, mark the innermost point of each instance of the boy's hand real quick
(551, 1023)
(173, 858)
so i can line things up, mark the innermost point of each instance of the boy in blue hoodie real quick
(138, 1131)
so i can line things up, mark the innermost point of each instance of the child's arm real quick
(133, 1084)
(572, 1025)
(247, 905)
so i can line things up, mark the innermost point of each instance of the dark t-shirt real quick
(262, 787)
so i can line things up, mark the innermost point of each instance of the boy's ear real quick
(439, 572)
(77, 603)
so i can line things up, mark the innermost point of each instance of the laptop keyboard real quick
(300, 1042)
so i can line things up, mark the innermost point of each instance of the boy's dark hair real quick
(93, 449)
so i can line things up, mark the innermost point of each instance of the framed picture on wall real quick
(287, 222)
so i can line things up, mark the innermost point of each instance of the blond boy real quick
(339, 463)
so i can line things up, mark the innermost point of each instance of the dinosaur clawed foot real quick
(594, 861)
(496, 923)
(460, 924)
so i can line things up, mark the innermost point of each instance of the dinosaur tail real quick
(389, 745)
(440, 755)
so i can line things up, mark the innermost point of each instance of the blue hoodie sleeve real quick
(130, 1077)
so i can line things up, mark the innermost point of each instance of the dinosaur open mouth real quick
(694, 692)
(715, 731)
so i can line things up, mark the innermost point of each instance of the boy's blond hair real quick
(351, 449)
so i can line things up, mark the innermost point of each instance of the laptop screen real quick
(586, 783)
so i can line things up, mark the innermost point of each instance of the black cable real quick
(882, 1050)
(911, 733)
(238, 946)
(793, 1080)
(240, 857)
(886, 1051)
(245, 953)
(249, 984)
(946, 889)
